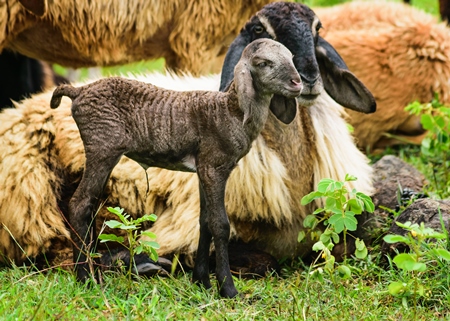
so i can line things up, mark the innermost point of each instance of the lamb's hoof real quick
(228, 292)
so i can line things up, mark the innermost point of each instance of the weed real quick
(134, 244)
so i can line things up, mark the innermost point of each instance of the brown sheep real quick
(400, 53)
(188, 34)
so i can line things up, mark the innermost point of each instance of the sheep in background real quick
(444, 9)
(401, 54)
(263, 192)
(206, 132)
(22, 76)
(188, 34)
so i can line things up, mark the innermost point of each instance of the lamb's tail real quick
(64, 90)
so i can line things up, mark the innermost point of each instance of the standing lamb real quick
(196, 131)
(187, 34)
(42, 159)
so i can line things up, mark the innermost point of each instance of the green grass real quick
(56, 295)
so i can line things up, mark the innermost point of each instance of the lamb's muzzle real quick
(206, 132)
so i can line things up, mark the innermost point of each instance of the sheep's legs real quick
(82, 209)
(201, 268)
(215, 219)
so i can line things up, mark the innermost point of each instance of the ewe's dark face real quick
(272, 68)
(295, 26)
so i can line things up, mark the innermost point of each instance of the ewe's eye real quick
(262, 64)
(319, 26)
(258, 29)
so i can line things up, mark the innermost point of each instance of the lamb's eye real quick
(258, 29)
(262, 64)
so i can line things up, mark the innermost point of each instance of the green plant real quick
(435, 147)
(338, 216)
(133, 243)
(418, 261)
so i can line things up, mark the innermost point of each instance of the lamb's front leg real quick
(201, 267)
(213, 181)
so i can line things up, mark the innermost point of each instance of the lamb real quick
(203, 132)
(42, 158)
(187, 34)
(406, 58)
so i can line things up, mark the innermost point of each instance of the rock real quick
(422, 210)
(390, 175)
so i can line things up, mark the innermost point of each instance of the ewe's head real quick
(297, 27)
(271, 68)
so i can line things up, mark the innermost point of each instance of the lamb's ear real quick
(36, 7)
(285, 109)
(244, 87)
(232, 57)
(340, 83)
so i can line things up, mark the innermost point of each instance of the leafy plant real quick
(338, 215)
(131, 226)
(418, 261)
(435, 147)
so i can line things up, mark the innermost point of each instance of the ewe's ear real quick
(234, 53)
(36, 7)
(340, 83)
(244, 87)
(285, 109)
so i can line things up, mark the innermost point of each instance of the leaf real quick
(301, 236)
(310, 197)
(310, 221)
(442, 253)
(344, 271)
(325, 238)
(427, 121)
(115, 210)
(355, 205)
(318, 211)
(146, 218)
(361, 249)
(326, 185)
(138, 249)
(391, 238)
(149, 234)
(335, 237)
(338, 222)
(114, 224)
(368, 204)
(318, 246)
(151, 244)
(409, 262)
(110, 237)
(396, 288)
(361, 254)
(350, 178)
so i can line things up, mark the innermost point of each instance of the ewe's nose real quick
(309, 83)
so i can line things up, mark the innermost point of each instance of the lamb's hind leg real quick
(213, 182)
(82, 208)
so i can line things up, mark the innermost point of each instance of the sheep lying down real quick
(201, 131)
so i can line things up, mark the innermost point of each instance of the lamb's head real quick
(265, 69)
(297, 27)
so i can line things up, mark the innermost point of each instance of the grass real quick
(28, 294)
(56, 295)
